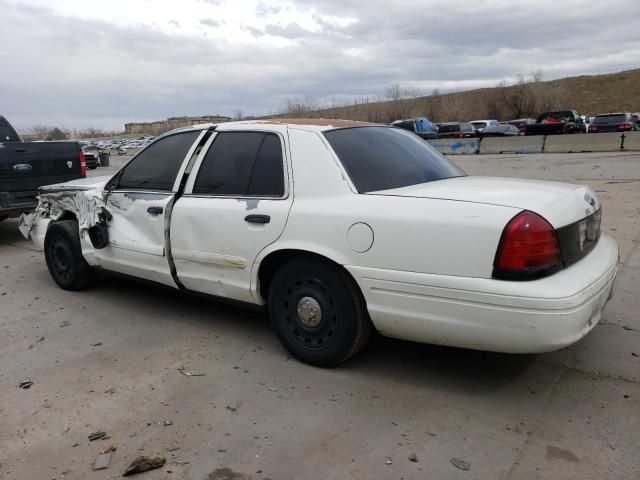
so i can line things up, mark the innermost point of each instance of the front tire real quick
(64, 257)
(317, 312)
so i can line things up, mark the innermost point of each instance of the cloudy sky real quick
(79, 63)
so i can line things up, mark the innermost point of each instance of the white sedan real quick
(340, 228)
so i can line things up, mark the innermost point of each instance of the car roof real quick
(314, 124)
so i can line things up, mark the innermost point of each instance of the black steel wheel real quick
(317, 312)
(64, 257)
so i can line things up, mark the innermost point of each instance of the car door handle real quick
(257, 218)
(154, 210)
(20, 151)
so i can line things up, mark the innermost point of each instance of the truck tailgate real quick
(27, 166)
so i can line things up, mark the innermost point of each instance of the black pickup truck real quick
(555, 123)
(26, 166)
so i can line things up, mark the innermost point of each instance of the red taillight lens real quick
(528, 242)
(593, 129)
(624, 126)
(83, 164)
(460, 135)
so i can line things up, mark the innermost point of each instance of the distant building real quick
(161, 126)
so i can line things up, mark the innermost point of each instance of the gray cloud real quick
(210, 22)
(78, 73)
(291, 31)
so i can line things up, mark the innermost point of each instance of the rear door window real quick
(242, 164)
(156, 167)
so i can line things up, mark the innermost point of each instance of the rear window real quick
(600, 119)
(381, 158)
(567, 116)
(6, 133)
(449, 128)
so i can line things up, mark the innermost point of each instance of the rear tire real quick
(317, 312)
(64, 257)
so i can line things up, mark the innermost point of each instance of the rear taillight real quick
(528, 249)
(460, 134)
(83, 164)
(593, 129)
(625, 126)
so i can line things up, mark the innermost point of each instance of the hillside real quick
(589, 94)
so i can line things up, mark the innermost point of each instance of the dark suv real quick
(613, 122)
(456, 130)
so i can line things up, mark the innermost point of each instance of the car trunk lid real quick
(560, 204)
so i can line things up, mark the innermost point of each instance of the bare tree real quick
(523, 98)
(300, 107)
(451, 104)
(238, 115)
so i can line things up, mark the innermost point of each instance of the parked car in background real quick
(25, 166)
(613, 122)
(91, 157)
(500, 130)
(381, 232)
(421, 126)
(555, 123)
(479, 125)
(456, 130)
(636, 117)
(521, 123)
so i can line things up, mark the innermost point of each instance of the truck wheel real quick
(64, 258)
(317, 312)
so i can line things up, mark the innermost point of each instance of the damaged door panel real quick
(136, 235)
(138, 199)
(214, 240)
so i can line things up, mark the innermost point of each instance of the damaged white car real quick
(339, 228)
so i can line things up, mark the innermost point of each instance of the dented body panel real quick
(422, 255)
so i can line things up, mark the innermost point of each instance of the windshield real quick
(600, 119)
(478, 125)
(381, 158)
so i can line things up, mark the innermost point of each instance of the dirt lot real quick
(106, 360)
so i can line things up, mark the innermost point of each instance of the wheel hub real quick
(309, 312)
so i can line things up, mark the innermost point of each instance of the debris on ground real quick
(25, 384)
(189, 373)
(634, 354)
(461, 464)
(99, 344)
(413, 457)
(227, 474)
(103, 460)
(166, 423)
(388, 461)
(96, 435)
(65, 323)
(144, 464)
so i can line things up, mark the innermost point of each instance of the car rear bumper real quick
(486, 314)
